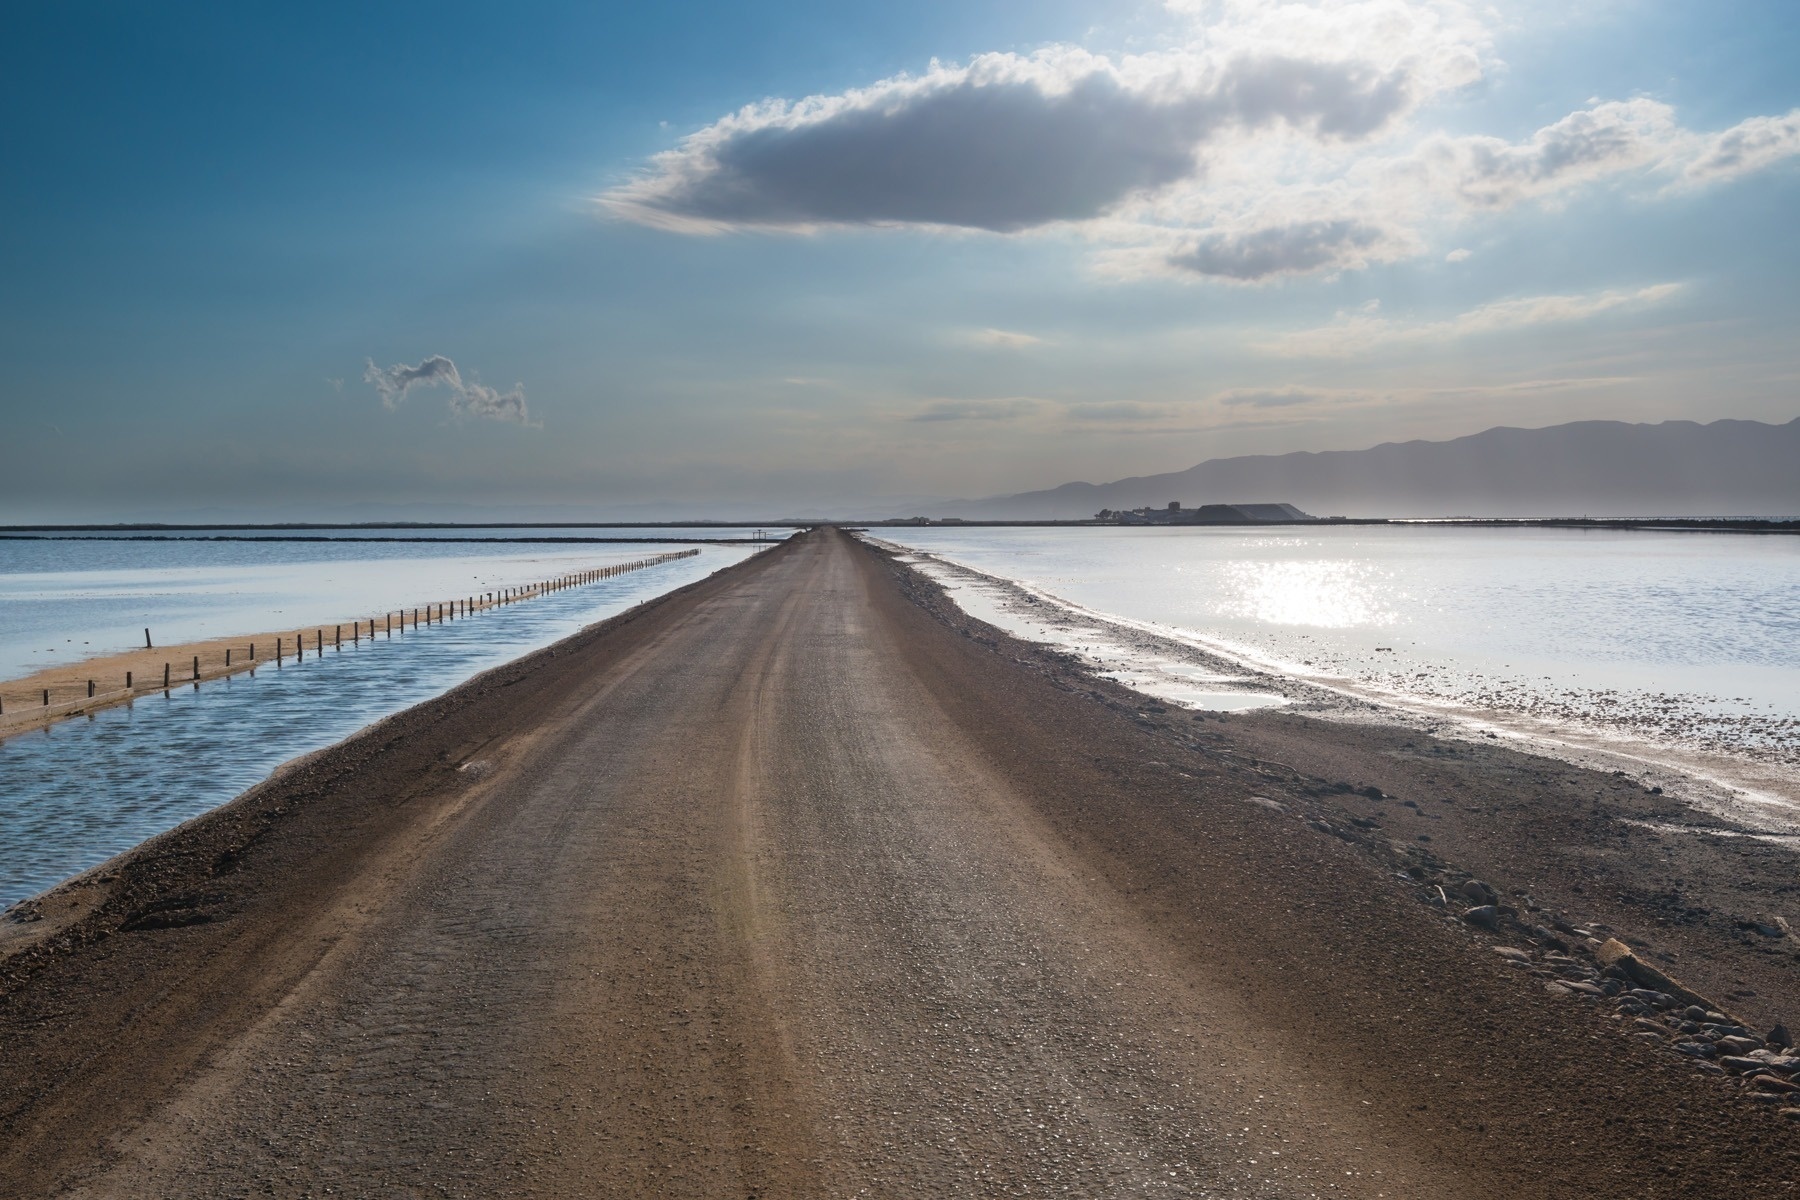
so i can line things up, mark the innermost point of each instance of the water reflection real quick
(1323, 593)
(75, 794)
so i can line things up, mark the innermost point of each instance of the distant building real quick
(1206, 514)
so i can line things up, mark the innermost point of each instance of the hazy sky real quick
(284, 259)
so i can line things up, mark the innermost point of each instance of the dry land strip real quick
(798, 882)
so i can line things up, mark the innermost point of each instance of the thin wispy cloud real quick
(1003, 339)
(1363, 331)
(467, 397)
(1131, 411)
(1010, 409)
(1284, 397)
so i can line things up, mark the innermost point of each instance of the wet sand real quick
(70, 690)
(799, 882)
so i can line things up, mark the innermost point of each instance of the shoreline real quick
(1763, 794)
(1157, 910)
(60, 692)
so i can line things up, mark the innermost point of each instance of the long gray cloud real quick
(467, 397)
(1005, 144)
(1295, 249)
(1276, 143)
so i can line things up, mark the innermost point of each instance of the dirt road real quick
(787, 887)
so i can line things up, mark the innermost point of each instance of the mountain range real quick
(1585, 468)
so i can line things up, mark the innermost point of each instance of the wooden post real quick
(46, 697)
(252, 651)
(128, 681)
(147, 645)
(196, 666)
(165, 677)
(90, 689)
(228, 657)
(337, 637)
(320, 634)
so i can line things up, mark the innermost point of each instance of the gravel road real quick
(788, 886)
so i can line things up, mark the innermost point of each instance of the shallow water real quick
(66, 599)
(1676, 638)
(75, 794)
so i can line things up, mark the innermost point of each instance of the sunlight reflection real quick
(1328, 593)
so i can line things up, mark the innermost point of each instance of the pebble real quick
(1484, 915)
(1739, 1045)
(1696, 1049)
(1779, 1036)
(1509, 952)
(1584, 987)
(1774, 1083)
(1740, 1065)
(1655, 1027)
(1479, 892)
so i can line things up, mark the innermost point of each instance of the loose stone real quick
(1484, 915)
(1774, 1083)
(1479, 893)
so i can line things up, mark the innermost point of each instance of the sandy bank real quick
(69, 690)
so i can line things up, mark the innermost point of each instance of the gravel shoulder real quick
(798, 882)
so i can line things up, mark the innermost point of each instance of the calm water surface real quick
(67, 599)
(75, 794)
(1678, 635)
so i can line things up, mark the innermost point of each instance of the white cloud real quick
(1746, 147)
(1004, 339)
(1284, 397)
(1280, 138)
(1299, 248)
(1584, 146)
(1354, 333)
(467, 396)
(1459, 254)
(1122, 410)
(1003, 144)
(1011, 409)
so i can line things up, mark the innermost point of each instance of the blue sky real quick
(685, 259)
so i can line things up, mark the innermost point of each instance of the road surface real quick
(787, 887)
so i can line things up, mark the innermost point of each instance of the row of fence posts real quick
(449, 610)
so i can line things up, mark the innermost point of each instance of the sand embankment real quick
(797, 882)
(73, 689)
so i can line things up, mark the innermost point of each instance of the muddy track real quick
(796, 884)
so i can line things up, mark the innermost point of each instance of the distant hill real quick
(1587, 468)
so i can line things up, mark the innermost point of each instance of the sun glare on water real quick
(1327, 594)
